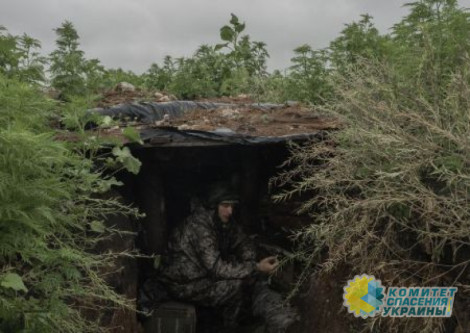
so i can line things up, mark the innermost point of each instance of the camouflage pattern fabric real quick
(201, 248)
(269, 305)
(214, 265)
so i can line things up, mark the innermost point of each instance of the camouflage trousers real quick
(230, 297)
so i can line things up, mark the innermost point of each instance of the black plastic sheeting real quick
(146, 112)
(176, 137)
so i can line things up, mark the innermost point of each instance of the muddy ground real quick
(240, 116)
(255, 122)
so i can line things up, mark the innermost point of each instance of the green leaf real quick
(220, 46)
(13, 281)
(129, 162)
(227, 33)
(234, 19)
(111, 163)
(121, 153)
(240, 27)
(106, 184)
(132, 134)
(97, 226)
(106, 121)
(132, 164)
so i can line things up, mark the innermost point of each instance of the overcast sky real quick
(134, 34)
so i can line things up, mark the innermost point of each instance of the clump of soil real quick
(112, 98)
(246, 99)
(256, 122)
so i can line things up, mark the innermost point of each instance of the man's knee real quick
(229, 289)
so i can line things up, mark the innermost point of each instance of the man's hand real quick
(268, 265)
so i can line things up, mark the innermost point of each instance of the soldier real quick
(213, 264)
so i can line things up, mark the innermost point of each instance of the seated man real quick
(212, 263)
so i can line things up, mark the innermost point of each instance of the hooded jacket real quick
(204, 249)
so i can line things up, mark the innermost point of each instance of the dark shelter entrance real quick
(172, 178)
(179, 166)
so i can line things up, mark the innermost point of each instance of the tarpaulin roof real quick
(144, 116)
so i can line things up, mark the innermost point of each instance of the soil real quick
(322, 308)
(255, 122)
(112, 98)
(239, 117)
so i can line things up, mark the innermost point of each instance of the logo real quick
(363, 296)
(419, 302)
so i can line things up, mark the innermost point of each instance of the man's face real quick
(225, 211)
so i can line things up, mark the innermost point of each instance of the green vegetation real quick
(388, 194)
(19, 57)
(51, 214)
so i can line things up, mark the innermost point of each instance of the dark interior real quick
(171, 178)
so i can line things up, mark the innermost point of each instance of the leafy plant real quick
(235, 66)
(430, 44)
(160, 77)
(68, 62)
(388, 193)
(111, 77)
(308, 78)
(357, 42)
(19, 57)
(49, 278)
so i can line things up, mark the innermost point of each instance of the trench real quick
(172, 178)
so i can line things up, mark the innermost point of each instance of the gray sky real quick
(134, 34)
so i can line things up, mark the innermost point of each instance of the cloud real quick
(134, 34)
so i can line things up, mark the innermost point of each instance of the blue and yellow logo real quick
(363, 296)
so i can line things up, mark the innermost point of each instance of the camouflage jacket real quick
(202, 248)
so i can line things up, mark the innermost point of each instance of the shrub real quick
(50, 218)
(390, 192)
